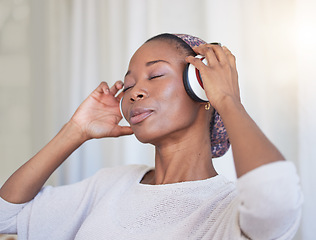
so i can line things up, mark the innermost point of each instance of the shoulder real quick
(125, 171)
(101, 181)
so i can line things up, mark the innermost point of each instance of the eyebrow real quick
(156, 61)
(150, 63)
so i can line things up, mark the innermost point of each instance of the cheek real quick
(175, 111)
(176, 108)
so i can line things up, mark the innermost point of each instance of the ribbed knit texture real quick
(263, 204)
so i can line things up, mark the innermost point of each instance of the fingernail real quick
(188, 57)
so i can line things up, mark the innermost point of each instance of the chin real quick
(143, 140)
(151, 136)
(144, 137)
(155, 133)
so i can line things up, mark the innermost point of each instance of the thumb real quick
(122, 131)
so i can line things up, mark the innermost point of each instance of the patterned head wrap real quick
(219, 137)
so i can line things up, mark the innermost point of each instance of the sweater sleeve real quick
(270, 201)
(8, 216)
(55, 213)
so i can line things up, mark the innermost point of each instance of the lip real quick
(138, 115)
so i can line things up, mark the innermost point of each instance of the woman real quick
(182, 197)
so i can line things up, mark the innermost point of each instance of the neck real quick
(186, 160)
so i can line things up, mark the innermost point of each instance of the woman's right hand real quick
(98, 116)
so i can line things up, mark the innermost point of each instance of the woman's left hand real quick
(219, 76)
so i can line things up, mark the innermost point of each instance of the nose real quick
(138, 95)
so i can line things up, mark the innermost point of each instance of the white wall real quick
(15, 86)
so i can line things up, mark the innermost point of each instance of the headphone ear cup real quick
(187, 85)
(121, 108)
(193, 82)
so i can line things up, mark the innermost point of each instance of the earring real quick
(207, 106)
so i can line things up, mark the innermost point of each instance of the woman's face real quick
(155, 102)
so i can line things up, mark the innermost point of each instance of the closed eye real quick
(156, 76)
(150, 78)
(125, 89)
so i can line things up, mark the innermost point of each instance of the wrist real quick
(73, 132)
(228, 105)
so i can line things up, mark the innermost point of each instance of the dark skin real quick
(160, 113)
(154, 86)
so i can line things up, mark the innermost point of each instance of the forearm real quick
(27, 181)
(251, 148)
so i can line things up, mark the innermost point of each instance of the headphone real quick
(121, 108)
(192, 83)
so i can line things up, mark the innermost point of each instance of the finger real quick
(216, 51)
(103, 88)
(211, 56)
(232, 62)
(116, 87)
(220, 54)
(120, 95)
(196, 62)
(230, 56)
(122, 131)
(207, 51)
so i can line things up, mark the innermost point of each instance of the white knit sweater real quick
(264, 204)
